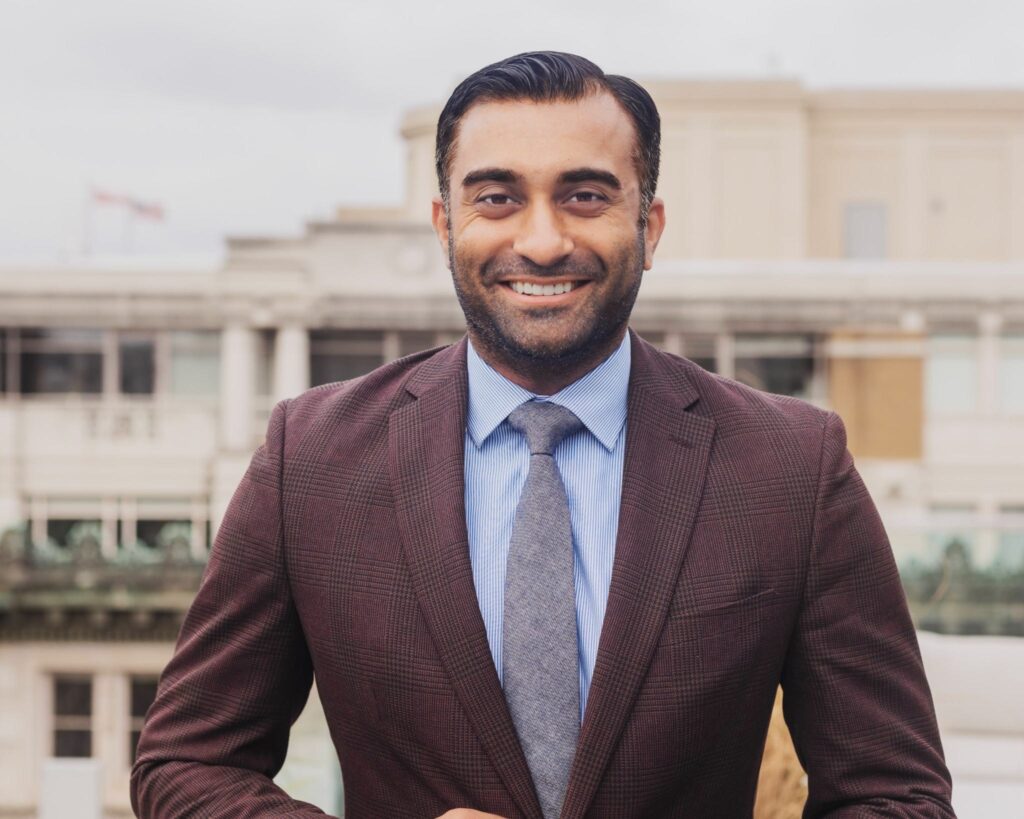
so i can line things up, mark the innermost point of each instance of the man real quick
(547, 571)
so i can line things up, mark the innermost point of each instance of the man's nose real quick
(542, 237)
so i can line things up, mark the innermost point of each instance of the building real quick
(861, 249)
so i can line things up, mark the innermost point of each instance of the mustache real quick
(574, 268)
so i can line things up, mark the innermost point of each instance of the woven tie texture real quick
(540, 659)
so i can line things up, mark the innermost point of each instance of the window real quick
(779, 364)
(72, 716)
(166, 536)
(119, 529)
(164, 526)
(195, 362)
(951, 539)
(143, 692)
(951, 374)
(865, 230)
(701, 350)
(74, 533)
(1009, 557)
(137, 365)
(973, 582)
(653, 338)
(337, 355)
(1011, 374)
(264, 368)
(413, 341)
(56, 360)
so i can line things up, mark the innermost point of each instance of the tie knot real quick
(544, 424)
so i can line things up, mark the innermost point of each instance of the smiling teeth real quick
(530, 289)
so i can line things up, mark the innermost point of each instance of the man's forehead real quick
(527, 135)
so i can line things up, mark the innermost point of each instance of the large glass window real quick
(782, 364)
(59, 360)
(137, 365)
(951, 374)
(1011, 374)
(338, 355)
(143, 692)
(865, 230)
(195, 362)
(72, 716)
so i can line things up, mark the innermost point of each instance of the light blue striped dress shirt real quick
(590, 461)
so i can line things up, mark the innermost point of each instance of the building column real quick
(108, 527)
(725, 354)
(199, 548)
(237, 387)
(990, 325)
(674, 344)
(291, 361)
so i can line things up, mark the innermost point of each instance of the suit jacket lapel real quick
(425, 459)
(667, 451)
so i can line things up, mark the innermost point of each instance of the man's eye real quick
(587, 198)
(495, 199)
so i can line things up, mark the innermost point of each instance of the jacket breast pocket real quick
(741, 618)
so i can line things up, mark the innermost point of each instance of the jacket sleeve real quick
(241, 673)
(855, 695)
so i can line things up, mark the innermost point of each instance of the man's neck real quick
(545, 377)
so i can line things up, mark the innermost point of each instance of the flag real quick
(108, 198)
(147, 210)
(138, 207)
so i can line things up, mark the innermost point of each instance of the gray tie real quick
(540, 659)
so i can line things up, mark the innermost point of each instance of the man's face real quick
(543, 233)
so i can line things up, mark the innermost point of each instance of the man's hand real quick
(467, 813)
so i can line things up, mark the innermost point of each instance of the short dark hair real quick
(551, 76)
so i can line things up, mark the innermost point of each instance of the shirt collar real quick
(598, 399)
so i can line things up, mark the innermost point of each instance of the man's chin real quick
(550, 352)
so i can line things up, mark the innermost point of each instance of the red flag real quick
(147, 210)
(108, 198)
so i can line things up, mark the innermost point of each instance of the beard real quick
(550, 339)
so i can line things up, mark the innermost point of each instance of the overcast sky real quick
(252, 116)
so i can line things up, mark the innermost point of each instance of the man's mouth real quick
(536, 289)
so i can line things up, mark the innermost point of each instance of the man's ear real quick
(439, 217)
(653, 231)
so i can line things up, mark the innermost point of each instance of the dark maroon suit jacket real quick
(748, 554)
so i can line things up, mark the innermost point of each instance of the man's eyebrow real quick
(590, 175)
(490, 175)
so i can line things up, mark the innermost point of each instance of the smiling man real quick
(553, 226)
(547, 571)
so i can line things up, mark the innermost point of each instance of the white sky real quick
(251, 116)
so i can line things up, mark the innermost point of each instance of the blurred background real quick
(205, 208)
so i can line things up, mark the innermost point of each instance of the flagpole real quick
(87, 217)
(129, 229)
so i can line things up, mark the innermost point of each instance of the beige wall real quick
(949, 166)
(763, 169)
